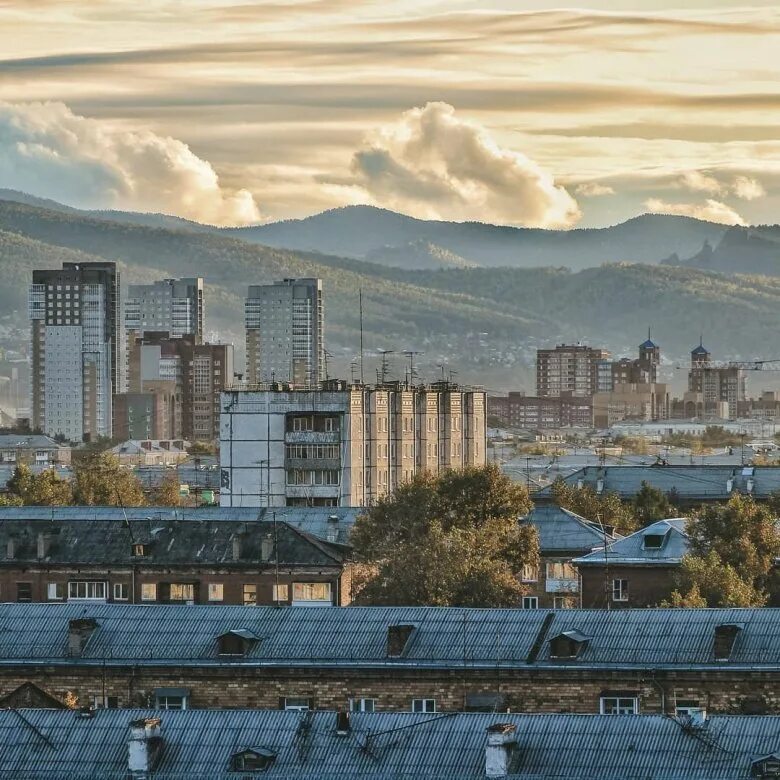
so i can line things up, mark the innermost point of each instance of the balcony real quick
(562, 586)
(312, 437)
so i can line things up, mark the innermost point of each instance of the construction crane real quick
(745, 365)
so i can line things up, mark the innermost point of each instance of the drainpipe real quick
(663, 693)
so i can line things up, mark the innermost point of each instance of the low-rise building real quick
(117, 744)
(419, 659)
(636, 571)
(535, 413)
(563, 536)
(151, 452)
(32, 450)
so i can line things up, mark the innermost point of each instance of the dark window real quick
(252, 760)
(564, 647)
(24, 591)
(654, 541)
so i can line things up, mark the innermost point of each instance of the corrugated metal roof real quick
(199, 744)
(451, 638)
(562, 530)
(330, 523)
(9, 441)
(633, 549)
(701, 482)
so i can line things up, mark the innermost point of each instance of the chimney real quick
(500, 749)
(144, 747)
(266, 548)
(10, 550)
(43, 541)
(397, 639)
(236, 548)
(79, 632)
(332, 534)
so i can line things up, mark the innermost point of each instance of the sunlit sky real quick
(512, 112)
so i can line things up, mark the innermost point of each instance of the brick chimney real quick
(79, 632)
(144, 747)
(500, 749)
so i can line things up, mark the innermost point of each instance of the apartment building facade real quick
(343, 445)
(74, 314)
(715, 389)
(284, 332)
(173, 305)
(575, 369)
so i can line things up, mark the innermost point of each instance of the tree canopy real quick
(99, 480)
(451, 539)
(44, 489)
(606, 508)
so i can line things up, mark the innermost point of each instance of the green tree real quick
(733, 550)
(44, 489)
(606, 508)
(167, 492)
(447, 540)
(99, 480)
(651, 504)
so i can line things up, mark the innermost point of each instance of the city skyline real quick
(518, 113)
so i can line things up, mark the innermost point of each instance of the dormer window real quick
(252, 760)
(139, 550)
(397, 639)
(725, 638)
(569, 644)
(236, 642)
(654, 541)
(768, 766)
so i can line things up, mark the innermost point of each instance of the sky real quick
(517, 112)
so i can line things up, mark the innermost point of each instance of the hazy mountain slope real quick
(357, 231)
(418, 254)
(741, 250)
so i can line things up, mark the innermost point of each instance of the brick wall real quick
(648, 586)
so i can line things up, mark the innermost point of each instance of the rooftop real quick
(664, 542)
(10, 441)
(200, 744)
(355, 637)
(562, 530)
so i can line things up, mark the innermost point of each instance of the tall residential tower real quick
(284, 332)
(173, 305)
(74, 313)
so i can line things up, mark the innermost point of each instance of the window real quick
(619, 590)
(216, 591)
(87, 591)
(281, 592)
(561, 570)
(253, 760)
(139, 550)
(654, 541)
(105, 702)
(299, 703)
(619, 705)
(530, 573)
(362, 705)
(423, 705)
(171, 698)
(530, 602)
(250, 595)
(55, 591)
(149, 591)
(689, 708)
(121, 591)
(562, 602)
(311, 592)
(182, 591)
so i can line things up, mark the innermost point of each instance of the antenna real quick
(410, 353)
(326, 355)
(353, 369)
(360, 296)
(383, 371)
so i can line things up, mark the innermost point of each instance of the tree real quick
(98, 479)
(733, 550)
(44, 489)
(607, 508)
(167, 492)
(651, 504)
(451, 539)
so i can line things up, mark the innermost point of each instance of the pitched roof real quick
(356, 637)
(692, 483)
(167, 542)
(562, 530)
(198, 744)
(33, 441)
(634, 549)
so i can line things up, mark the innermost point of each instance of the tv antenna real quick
(410, 353)
(383, 370)
(360, 297)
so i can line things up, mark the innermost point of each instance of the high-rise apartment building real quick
(718, 387)
(575, 369)
(74, 314)
(284, 332)
(343, 445)
(173, 305)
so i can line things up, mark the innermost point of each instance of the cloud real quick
(711, 211)
(593, 189)
(47, 150)
(697, 181)
(748, 189)
(435, 164)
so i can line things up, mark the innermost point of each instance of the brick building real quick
(424, 659)
(636, 571)
(165, 559)
(563, 535)
(517, 410)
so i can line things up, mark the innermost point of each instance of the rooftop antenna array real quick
(410, 353)
(382, 372)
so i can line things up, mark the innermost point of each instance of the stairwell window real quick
(619, 590)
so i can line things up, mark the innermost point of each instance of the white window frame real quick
(281, 592)
(291, 705)
(148, 588)
(530, 573)
(362, 705)
(530, 602)
(620, 589)
(624, 705)
(51, 591)
(91, 590)
(164, 702)
(303, 593)
(424, 705)
(119, 588)
(216, 592)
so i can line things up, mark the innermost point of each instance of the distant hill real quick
(418, 255)
(754, 250)
(487, 322)
(372, 233)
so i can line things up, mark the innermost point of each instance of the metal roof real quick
(330, 523)
(166, 542)
(633, 550)
(444, 638)
(691, 483)
(199, 744)
(33, 441)
(562, 530)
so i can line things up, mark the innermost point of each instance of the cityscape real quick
(388, 392)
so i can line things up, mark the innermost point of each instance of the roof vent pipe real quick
(500, 748)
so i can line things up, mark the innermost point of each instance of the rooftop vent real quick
(236, 642)
(500, 749)
(254, 759)
(568, 644)
(144, 747)
(79, 632)
(397, 639)
(725, 637)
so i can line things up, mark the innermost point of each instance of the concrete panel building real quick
(284, 332)
(75, 337)
(575, 369)
(343, 445)
(175, 305)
